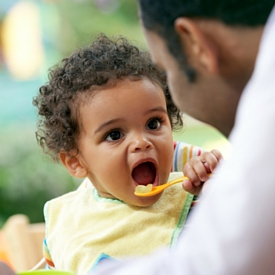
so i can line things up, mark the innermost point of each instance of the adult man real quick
(220, 62)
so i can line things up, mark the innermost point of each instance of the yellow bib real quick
(81, 226)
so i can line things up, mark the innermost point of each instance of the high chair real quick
(21, 243)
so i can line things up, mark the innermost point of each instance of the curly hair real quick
(105, 62)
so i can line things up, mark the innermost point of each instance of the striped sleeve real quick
(182, 153)
(47, 255)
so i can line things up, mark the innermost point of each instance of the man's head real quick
(213, 44)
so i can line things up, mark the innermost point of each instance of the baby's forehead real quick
(87, 96)
(115, 85)
(111, 83)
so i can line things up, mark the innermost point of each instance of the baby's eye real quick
(114, 135)
(153, 124)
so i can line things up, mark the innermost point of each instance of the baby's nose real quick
(141, 142)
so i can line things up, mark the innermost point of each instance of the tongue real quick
(144, 173)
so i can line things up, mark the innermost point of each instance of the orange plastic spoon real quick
(157, 189)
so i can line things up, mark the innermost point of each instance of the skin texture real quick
(126, 131)
(223, 58)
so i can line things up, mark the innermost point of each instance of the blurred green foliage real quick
(81, 21)
(27, 177)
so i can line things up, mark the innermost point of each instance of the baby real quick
(107, 115)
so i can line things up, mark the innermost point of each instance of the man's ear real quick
(74, 165)
(197, 43)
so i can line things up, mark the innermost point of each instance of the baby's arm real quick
(197, 170)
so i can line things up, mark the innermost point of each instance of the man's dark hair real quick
(73, 81)
(159, 16)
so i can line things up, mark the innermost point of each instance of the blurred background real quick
(34, 35)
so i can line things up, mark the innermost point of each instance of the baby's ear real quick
(74, 165)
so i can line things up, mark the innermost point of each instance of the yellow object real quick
(144, 188)
(23, 49)
(81, 226)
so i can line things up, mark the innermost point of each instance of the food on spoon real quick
(144, 188)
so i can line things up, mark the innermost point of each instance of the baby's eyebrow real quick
(112, 121)
(105, 124)
(157, 109)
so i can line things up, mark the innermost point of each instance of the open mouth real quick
(144, 173)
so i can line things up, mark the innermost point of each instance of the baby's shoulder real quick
(69, 201)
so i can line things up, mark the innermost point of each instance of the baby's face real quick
(126, 140)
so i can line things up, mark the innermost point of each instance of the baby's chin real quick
(144, 201)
